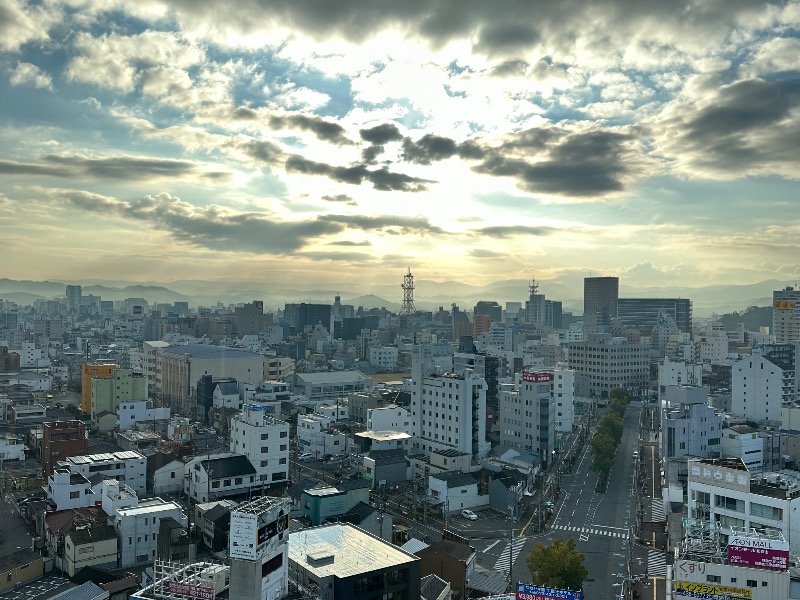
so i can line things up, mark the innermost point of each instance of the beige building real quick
(90, 547)
(19, 568)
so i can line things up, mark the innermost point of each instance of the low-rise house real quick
(450, 560)
(219, 476)
(454, 491)
(325, 503)
(174, 542)
(68, 490)
(165, 473)
(19, 568)
(90, 546)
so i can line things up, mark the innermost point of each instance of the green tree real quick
(612, 424)
(603, 448)
(558, 565)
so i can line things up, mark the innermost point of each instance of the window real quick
(713, 579)
(264, 436)
(752, 583)
(282, 461)
(264, 449)
(284, 434)
(74, 495)
(238, 481)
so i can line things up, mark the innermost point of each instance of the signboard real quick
(258, 305)
(710, 591)
(758, 553)
(243, 536)
(535, 592)
(532, 377)
(732, 479)
(783, 304)
(270, 530)
(190, 591)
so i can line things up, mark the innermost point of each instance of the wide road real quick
(600, 522)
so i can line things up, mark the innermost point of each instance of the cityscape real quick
(417, 300)
(509, 449)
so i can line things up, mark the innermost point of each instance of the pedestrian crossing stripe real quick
(504, 559)
(605, 532)
(656, 563)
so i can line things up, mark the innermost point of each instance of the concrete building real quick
(691, 427)
(61, 440)
(725, 492)
(383, 358)
(90, 547)
(151, 366)
(327, 387)
(672, 372)
(786, 315)
(73, 297)
(12, 446)
(564, 398)
(742, 441)
(610, 362)
(321, 504)
(142, 411)
(264, 440)
(600, 296)
(642, 313)
(390, 418)
(219, 476)
(91, 371)
(122, 386)
(67, 490)
(453, 491)
(328, 563)
(258, 549)
(451, 412)
(527, 415)
(138, 526)
(764, 382)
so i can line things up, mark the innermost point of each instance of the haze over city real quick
(313, 145)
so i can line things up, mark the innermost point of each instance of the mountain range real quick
(429, 295)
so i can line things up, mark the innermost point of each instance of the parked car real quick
(636, 454)
(468, 514)
(304, 456)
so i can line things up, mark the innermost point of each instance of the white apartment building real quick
(711, 347)
(131, 413)
(264, 440)
(527, 414)
(724, 491)
(151, 365)
(764, 382)
(690, 426)
(315, 436)
(383, 358)
(11, 447)
(129, 467)
(564, 397)
(69, 490)
(451, 412)
(390, 418)
(217, 476)
(137, 529)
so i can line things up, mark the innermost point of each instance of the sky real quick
(315, 143)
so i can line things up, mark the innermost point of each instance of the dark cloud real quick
(387, 223)
(342, 198)
(506, 38)
(748, 127)
(123, 168)
(326, 131)
(210, 227)
(430, 148)
(264, 151)
(483, 253)
(245, 114)
(504, 231)
(381, 134)
(359, 257)
(341, 242)
(382, 179)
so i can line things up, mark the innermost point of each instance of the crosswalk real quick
(657, 513)
(504, 560)
(656, 563)
(594, 531)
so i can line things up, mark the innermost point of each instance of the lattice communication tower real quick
(408, 294)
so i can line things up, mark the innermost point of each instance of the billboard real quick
(535, 592)
(258, 305)
(243, 536)
(532, 377)
(759, 553)
(710, 591)
(190, 591)
(783, 304)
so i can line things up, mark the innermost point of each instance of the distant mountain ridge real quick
(429, 295)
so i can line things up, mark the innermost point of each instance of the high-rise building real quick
(600, 296)
(298, 316)
(786, 315)
(73, 299)
(490, 309)
(264, 440)
(765, 381)
(527, 414)
(91, 371)
(535, 307)
(610, 362)
(642, 313)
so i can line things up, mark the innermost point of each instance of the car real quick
(304, 456)
(468, 514)
(549, 504)
(635, 454)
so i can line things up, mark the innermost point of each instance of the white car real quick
(468, 514)
(304, 456)
(635, 455)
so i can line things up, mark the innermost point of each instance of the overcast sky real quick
(300, 141)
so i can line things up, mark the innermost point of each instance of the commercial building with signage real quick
(702, 579)
(723, 491)
(257, 547)
(786, 315)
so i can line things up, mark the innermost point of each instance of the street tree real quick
(557, 565)
(612, 424)
(603, 447)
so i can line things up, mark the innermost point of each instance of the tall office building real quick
(786, 315)
(73, 299)
(600, 296)
(642, 313)
(298, 316)
(490, 309)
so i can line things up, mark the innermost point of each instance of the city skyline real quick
(311, 144)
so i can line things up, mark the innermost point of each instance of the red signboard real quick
(190, 591)
(760, 558)
(531, 377)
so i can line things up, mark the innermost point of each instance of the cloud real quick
(326, 131)
(505, 38)
(342, 198)
(124, 168)
(29, 74)
(346, 242)
(358, 257)
(381, 134)
(21, 23)
(382, 179)
(483, 253)
(506, 231)
(430, 148)
(510, 68)
(393, 224)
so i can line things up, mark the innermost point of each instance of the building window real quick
(74, 495)
(752, 583)
(713, 579)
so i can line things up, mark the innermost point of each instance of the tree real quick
(613, 425)
(603, 447)
(558, 565)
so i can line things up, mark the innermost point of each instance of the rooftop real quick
(17, 559)
(260, 505)
(229, 466)
(332, 377)
(343, 551)
(105, 457)
(455, 478)
(382, 436)
(209, 352)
